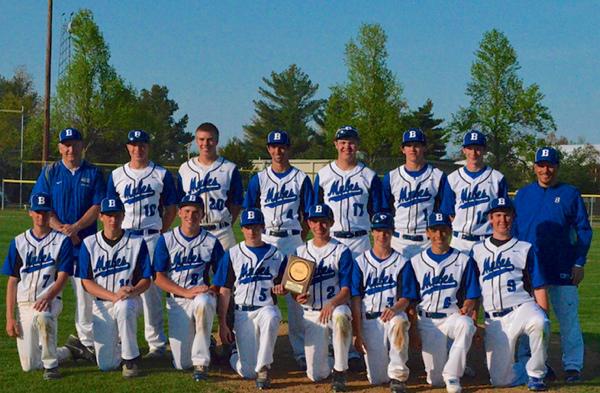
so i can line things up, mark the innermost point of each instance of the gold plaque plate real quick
(298, 274)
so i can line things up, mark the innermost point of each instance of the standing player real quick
(38, 264)
(436, 276)
(468, 194)
(115, 269)
(412, 191)
(352, 190)
(217, 181)
(76, 188)
(508, 273)
(183, 260)
(146, 189)
(326, 302)
(379, 323)
(253, 270)
(284, 194)
(552, 216)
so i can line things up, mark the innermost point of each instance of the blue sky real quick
(212, 55)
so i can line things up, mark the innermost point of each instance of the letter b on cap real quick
(412, 134)
(112, 203)
(439, 217)
(474, 136)
(319, 209)
(251, 215)
(41, 200)
(545, 152)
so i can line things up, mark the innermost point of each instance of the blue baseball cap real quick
(500, 204)
(138, 136)
(437, 219)
(69, 134)
(41, 202)
(278, 137)
(413, 135)
(547, 154)
(474, 138)
(111, 205)
(382, 221)
(346, 132)
(252, 216)
(320, 210)
(191, 200)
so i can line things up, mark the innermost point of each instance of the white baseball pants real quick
(154, 331)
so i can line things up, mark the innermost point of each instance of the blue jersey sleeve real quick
(83, 269)
(470, 281)
(306, 196)
(503, 189)
(236, 189)
(252, 198)
(216, 255)
(143, 261)
(410, 286)
(111, 191)
(162, 259)
(180, 192)
(318, 194)
(345, 272)
(448, 200)
(42, 184)
(282, 267)
(169, 192)
(375, 204)
(9, 268)
(440, 195)
(583, 231)
(99, 188)
(220, 277)
(387, 199)
(357, 288)
(65, 257)
(534, 269)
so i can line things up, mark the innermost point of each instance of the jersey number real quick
(330, 292)
(149, 210)
(358, 209)
(263, 294)
(194, 280)
(216, 204)
(511, 286)
(46, 278)
(390, 302)
(123, 282)
(481, 217)
(447, 302)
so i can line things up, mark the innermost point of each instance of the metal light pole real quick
(22, 112)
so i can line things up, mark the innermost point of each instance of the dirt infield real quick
(286, 376)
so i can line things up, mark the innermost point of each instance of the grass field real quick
(79, 377)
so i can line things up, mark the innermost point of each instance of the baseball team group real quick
(446, 251)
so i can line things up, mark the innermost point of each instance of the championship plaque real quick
(298, 274)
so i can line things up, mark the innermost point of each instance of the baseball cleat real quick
(339, 381)
(200, 373)
(80, 351)
(262, 379)
(155, 354)
(51, 373)
(397, 386)
(130, 369)
(469, 371)
(550, 374)
(453, 386)
(357, 365)
(572, 376)
(536, 384)
(301, 362)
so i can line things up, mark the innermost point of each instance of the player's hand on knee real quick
(359, 344)
(326, 313)
(279, 290)
(122, 293)
(577, 274)
(387, 314)
(302, 298)
(42, 304)
(12, 328)
(226, 334)
(197, 290)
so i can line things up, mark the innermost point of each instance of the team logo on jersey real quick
(106, 267)
(410, 198)
(473, 198)
(438, 283)
(379, 283)
(281, 197)
(200, 186)
(133, 194)
(183, 262)
(495, 268)
(323, 272)
(338, 191)
(250, 274)
(37, 262)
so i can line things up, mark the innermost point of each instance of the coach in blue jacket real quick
(552, 216)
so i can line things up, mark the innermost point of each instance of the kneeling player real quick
(380, 324)
(326, 302)
(438, 274)
(253, 269)
(508, 272)
(115, 268)
(38, 264)
(182, 261)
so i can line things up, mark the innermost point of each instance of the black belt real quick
(349, 234)
(282, 233)
(501, 313)
(247, 308)
(432, 315)
(372, 315)
(212, 227)
(471, 238)
(143, 232)
(414, 238)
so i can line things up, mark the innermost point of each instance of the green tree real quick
(437, 137)
(371, 99)
(581, 168)
(511, 114)
(287, 103)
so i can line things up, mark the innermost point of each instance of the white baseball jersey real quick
(142, 191)
(333, 271)
(377, 280)
(213, 184)
(412, 198)
(253, 278)
(469, 199)
(352, 195)
(502, 272)
(36, 263)
(112, 267)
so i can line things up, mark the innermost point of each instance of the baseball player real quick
(146, 189)
(552, 217)
(352, 190)
(325, 305)
(183, 260)
(379, 323)
(508, 273)
(253, 270)
(284, 194)
(76, 188)
(468, 193)
(217, 181)
(114, 266)
(412, 191)
(435, 277)
(38, 264)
